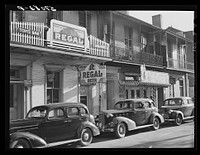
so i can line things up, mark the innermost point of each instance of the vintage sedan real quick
(53, 124)
(177, 109)
(129, 114)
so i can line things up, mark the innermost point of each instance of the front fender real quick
(154, 114)
(91, 126)
(34, 140)
(176, 112)
(130, 123)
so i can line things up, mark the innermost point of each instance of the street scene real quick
(168, 136)
(101, 79)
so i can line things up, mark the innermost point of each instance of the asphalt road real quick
(168, 136)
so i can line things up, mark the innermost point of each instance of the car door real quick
(148, 110)
(138, 114)
(73, 121)
(55, 126)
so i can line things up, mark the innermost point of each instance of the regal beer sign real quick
(93, 73)
(68, 36)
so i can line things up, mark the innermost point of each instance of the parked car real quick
(129, 114)
(177, 109)
(53, 124)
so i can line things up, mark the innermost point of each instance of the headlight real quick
(109, 115)
(170, 111)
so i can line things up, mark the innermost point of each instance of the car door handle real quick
(67, 121)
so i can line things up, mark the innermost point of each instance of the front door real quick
(56, 126)
(138, 115)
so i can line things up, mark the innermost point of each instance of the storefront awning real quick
(154, 84)
(138, 83)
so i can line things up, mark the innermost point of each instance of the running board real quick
(59, 143)
(190, 117)
(143, 126)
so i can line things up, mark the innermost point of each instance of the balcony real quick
(177, 64)
(37, 34)
(136, 55)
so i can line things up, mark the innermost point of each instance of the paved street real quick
(168, 136)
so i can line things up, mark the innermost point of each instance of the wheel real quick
(20, 143)
(120, 130)
(86, 137)
(178, 120)
(156, 123)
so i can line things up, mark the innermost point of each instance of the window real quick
(83, 111)
(72, 111)
(53, 86)
(138, 93)
(145, 93)
(143, 42)
(17, 16)
(56, 114)
(128, 37)
(132, 93)
(181, 87)
(138, 105)
(85, 20)
(11, 95)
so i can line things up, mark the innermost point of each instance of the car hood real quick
(115, 111)
(23, 124)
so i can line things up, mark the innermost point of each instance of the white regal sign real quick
(93, 73)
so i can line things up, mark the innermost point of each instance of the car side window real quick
(83, 111)
(72, 111)
(56, 114)
(138, 105)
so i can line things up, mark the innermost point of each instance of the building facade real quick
(93, 57)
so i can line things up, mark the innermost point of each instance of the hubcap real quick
(121, 130)
(86, 136)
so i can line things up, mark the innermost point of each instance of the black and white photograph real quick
(85, 78)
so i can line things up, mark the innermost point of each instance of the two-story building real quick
(93, 57)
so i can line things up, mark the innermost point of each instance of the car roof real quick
(182, 97)
(61, 104)
(136, 99)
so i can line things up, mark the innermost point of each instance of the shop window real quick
(181, 87)
(53, 86)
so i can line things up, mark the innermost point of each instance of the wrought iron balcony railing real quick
(177, 64)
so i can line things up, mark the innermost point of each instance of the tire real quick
(120, 130)
(178, 120)
(86, 137)
(21, 143)
(156, 123)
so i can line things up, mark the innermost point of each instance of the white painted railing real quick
(27, 32)
(98, 47)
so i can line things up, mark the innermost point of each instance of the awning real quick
(139, 83)
(154, 84)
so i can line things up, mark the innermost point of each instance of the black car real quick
(177, 109)
(53, 124)
(129, 114)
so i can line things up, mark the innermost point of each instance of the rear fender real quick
(130, 123)
(34, 140)
(91, 126)
(160, 117)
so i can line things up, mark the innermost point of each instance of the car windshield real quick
(38, 112)
(173, 102)
(123, 105)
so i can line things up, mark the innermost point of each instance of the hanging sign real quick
(93, 73)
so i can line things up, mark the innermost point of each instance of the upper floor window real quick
(85, 20)
(143, 42)
(181, 87)
(16, 16)
(128, 37)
